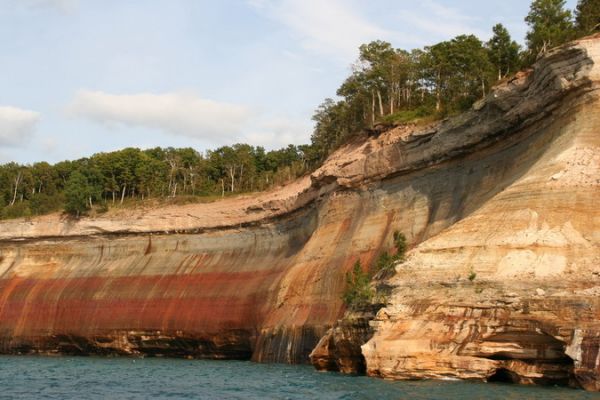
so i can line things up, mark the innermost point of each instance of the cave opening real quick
(503, 375)
(529, 357)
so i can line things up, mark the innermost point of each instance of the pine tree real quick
(503, 52)
(550, 25)
(358, 292)
(587, 17)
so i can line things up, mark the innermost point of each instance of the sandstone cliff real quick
(530, 311)
(507, 191)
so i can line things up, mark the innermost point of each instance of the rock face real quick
(506, 193)
(510, 292)
(340, 348)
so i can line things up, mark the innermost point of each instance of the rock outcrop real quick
(506, 193)
(510, 292)
(340, 348)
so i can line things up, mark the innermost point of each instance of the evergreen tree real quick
(550, 25)
(587, 17)
(358, 292)
(503, 52)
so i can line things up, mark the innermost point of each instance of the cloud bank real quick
(178, 113)
(436, 20)
(16, 125)
(330, 27)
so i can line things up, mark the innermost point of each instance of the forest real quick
(386, 86)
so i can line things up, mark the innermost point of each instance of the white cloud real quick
(439, 22)
(16, 125)
(278, 131)
(329, 27)
(177, 113)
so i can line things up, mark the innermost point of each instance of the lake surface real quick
(127, 378)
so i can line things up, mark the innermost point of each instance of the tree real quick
(358, 292)
(550, 25)
(332, 127)
(77, 193)
(503, 52)
(587, 17)
(377, 59)
(457, 71)
(152, 175)
(385, 261)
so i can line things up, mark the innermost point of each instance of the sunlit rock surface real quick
(530, 311)
(507, 192)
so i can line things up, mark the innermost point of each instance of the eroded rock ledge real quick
(510, 292)
(507, 191)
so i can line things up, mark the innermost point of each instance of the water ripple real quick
(135, 379)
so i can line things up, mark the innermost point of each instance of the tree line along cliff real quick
(498, 206)
(387, 86)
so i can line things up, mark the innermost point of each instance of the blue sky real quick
(84, 76)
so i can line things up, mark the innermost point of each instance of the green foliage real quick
(422, 114)
(130, 175)
(460, 71)
(472, 275)
(17, 210)
(401, 246)
(43, 203)
(503, 52)
(387, 85)
(550, 25)
(587, 17)
(77, 193)
(358, 292)
(396, 86)
(385, 262)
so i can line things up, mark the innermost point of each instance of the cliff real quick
(505, 191)
(510, 292)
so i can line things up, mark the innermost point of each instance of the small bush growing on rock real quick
(358, 292)
(385, 262)
(400, 243)
(472, 275)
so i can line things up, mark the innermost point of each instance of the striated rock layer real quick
(511, 291)
(505, 191)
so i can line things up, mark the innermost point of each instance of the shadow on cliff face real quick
(455, 189)
(230, 345)
(425, 202)
(299, 232)
(503, 375)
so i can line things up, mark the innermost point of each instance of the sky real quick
(78, 77)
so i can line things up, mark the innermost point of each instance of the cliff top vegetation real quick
(386, 86)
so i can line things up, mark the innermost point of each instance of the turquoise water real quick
(126, 378)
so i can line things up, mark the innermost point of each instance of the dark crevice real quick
(502, 375)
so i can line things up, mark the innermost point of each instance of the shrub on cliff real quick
(400, 244)
(358, 292)
(385, 262)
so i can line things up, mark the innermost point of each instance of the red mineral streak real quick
(508, 189)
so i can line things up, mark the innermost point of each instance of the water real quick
(126, 378)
